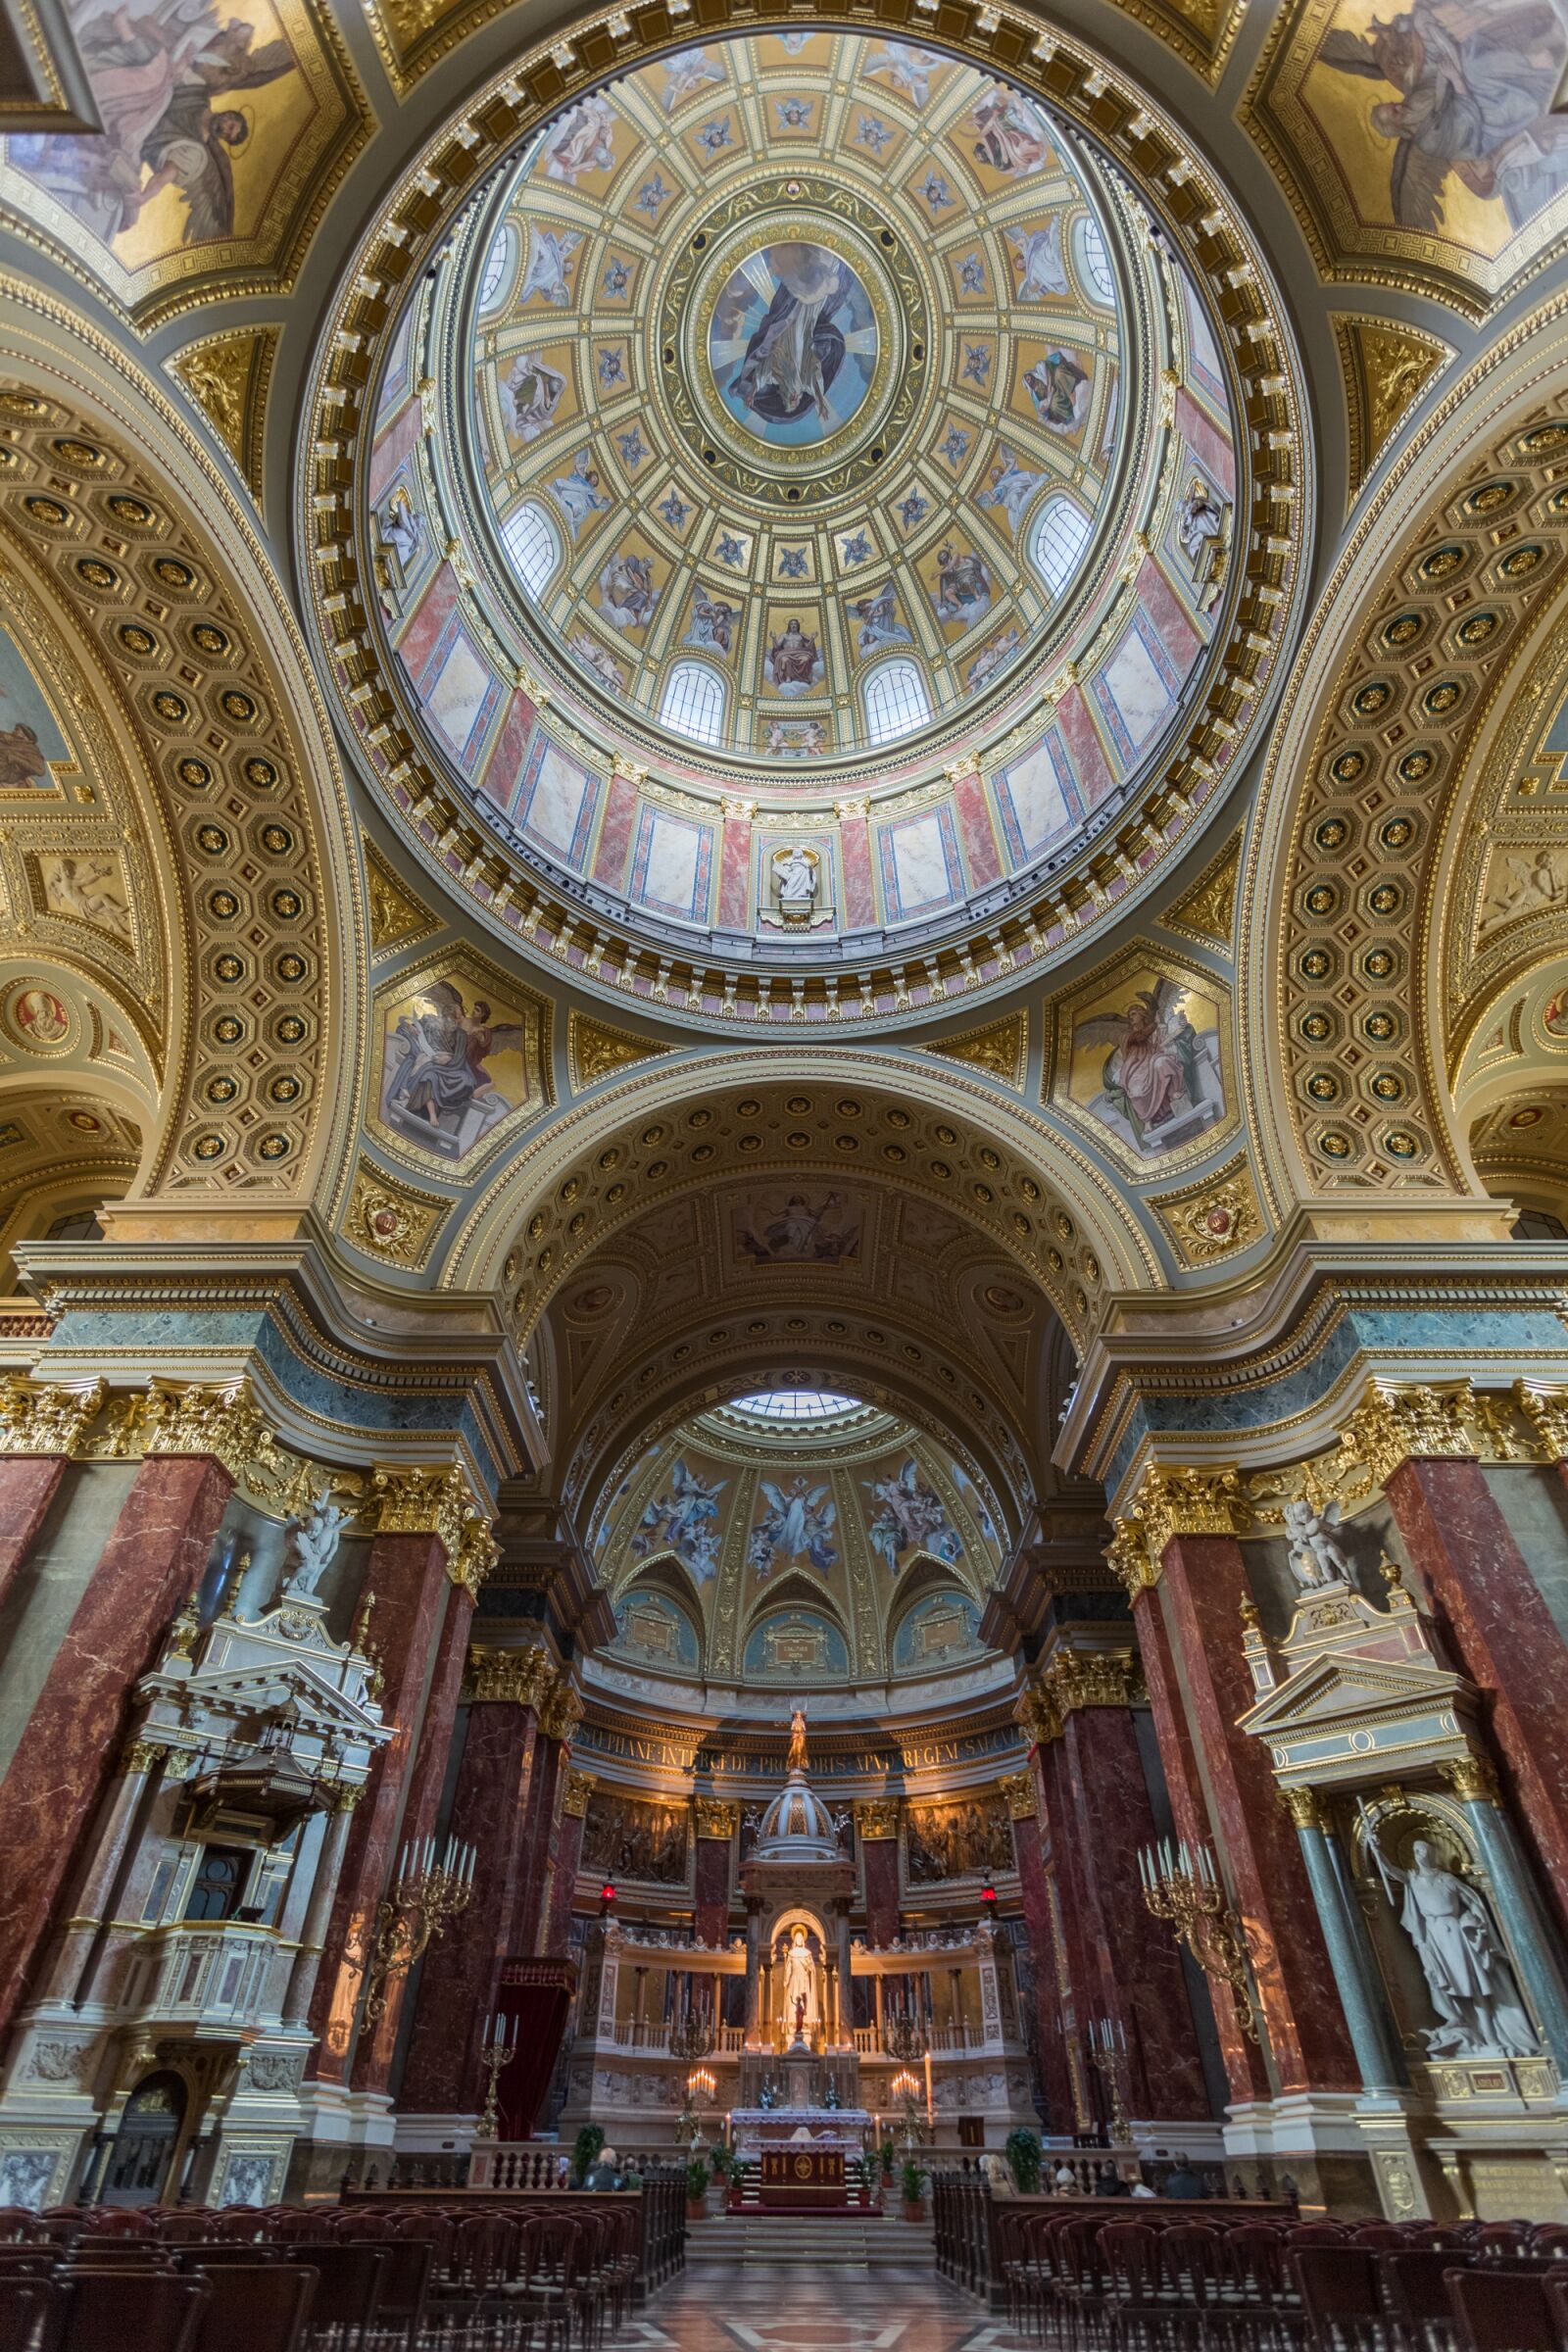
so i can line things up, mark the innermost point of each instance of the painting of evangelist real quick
(222, 125)
(781, 1228)
(1145, 1063)
(453, 1067)
(30, 737)
(1443, 121)
(684, 1520)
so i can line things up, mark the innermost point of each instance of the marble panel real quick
(29, 1485)
(672, 865)
(919, 861)
(556, 799)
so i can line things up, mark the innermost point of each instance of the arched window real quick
(896, 701)
(694, 702)
(1060, 537)
(495, 267)
(1096, 262)
(530, 542)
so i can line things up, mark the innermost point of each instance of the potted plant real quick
(914, 2179)
(585, 2151)
(888, 2151)
(1022, 2150)
(697, 2176)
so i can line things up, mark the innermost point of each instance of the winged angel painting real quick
(1144, 1067)
(800, 1522)
(686, 1519)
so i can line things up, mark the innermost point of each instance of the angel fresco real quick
(878, 617)
(685, 1518)
(549, 271)
(534, 392)
(585, 141)
(911, 1516)
(157, 77)
(1037, 257)
(1160, 1084)
(1009, 485)
(799, 1522)
(1476, 99)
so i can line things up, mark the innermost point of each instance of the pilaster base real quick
(343, 2135)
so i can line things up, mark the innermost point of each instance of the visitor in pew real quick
(1108, 2183)
(1183, 2182)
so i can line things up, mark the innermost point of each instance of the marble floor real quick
(722, 2309)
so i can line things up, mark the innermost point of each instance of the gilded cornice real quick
(522, 1677)
(715, 1819)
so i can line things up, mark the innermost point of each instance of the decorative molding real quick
(397, 917)
(228, 376)
(1393, 1424)
(595, 1050)
(1020, 1794)
(1207, 911)
(1473, 1780)
(39, 1418)
(1000, 1050)
(716, 1817)
(416, 1501)
(1174, 1503)
(521, 1677)
(1210, 1218)
(1546, 1411)
(1386, 369)
(580, 1786)
(876, 1817)
(392, 1220)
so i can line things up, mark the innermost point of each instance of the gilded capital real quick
(877, 1817)
(1393, 1424)
(715, 1819)
(1037, 1710)
(38, 1417)
(1546, 1411)
(1020, 1796)
(224, 1422)
(476, 1554)
(580, 1786)
(1189, 1502)
(1093, 1677)
(141, 1756)
(1304, 1808)
(1473, 1780)
(559, 1710)
(524, 1678)
(1130, 1559)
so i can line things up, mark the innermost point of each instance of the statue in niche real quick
(799, 1985)
(1317, 1557)
(313, 1539)
(1461, 1955)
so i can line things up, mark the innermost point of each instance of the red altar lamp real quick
(606, 1899)
(988, 1902)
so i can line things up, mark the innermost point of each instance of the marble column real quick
(1536, 1947)
(461, 1972)
(42, 1425)
(841, 1923)
(577, 1789)
(375, 2050)
(319, 1911)
(408, 1575)
(1504, 1636)
(754, 1971)
(1203, 1588)
(1373, 2034)
(1021, 1790)
(29, 1485)
(876, 1829)
(1245, 2073)
(152, 1562)
(716, 1830)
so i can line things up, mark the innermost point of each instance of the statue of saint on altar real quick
(800, 2001)
(797, 1755)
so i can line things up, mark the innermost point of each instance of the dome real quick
(802, 510)
(797, 1827)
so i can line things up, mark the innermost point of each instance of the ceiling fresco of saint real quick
(722, 708)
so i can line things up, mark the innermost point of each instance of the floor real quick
(716, 2308)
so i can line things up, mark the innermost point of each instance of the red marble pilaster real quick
(152, 1562)
(462, 1970)
(29, 1485)
(1203, 1586)
(1506, 1638)
(374, 2055)
(546, 1787)
(1050, 2048)
(879, 1864)
(408, 1577)
(1076, 1988)
(563, 1885)
(1136, 1968)
(1245, 2074)
(713, 1890)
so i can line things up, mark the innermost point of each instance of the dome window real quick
(795, 1404)
(896, 701)
(531, 544)
(1097, 265)
(495, 268)
(1061, 536)
(694, 702)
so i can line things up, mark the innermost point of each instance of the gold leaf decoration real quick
(395, 914)
(594, 1050)
(227, 376)
(1000, 1050)
(1214, 1217)
(1385, 371)
(392, 1220)
(1209, 909)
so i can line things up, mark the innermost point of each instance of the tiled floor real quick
(715, 2309)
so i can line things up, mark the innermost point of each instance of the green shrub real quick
(887, 2152)
(585, 2150)
(1023, 2156)
(914, 2179)
(697, 2176)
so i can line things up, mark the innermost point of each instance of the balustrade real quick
(212, 1973)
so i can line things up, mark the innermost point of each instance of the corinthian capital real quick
(37, 1417)
(522, 1677)
(1020, 1796)
(580, 1786)
(1188, 1502)
(225, 1423)
(1393, 1424)
(1546, 1411)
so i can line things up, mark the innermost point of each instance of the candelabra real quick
(701, 2084)
(1182, 1884)
(425, 1897)
(1108, 2054)
(499, 2053)
(691, 2037)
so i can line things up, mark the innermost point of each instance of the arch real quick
(694, 702)
(896, 699)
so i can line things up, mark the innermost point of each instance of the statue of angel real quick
(313, 1539)
(1316, 1557)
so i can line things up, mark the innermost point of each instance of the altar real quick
(796, 2178)
(759, 2131)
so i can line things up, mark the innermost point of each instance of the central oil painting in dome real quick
(786, 349)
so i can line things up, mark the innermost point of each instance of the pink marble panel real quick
(976, 832)
(391, 446)
(735, 875)
(879, 1866)
(713, 1887)
(615, 833)
(1204, 441)
(503, 771)
(1165, 610)
(149, 1565)
(1088, 760)
(854, 850)
(428, 618)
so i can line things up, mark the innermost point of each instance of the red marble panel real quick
(1204, 441)
(546, 1784)
(392, 444)
(461, 1969)
(879, 1864)
(1170, 616)
(150, 1564)
(428, 618)
(1140, 1974)
(615, 830)
(977, 832)
(1050, 2048)
(735, 875)
(1504, 1636)
(855, 850)
(503, 771)
(29, 1485)
(374, 2055)
(1204, 1584)
(713, 1889)
(1088, 760)
(408, 1578)
(563, 1885)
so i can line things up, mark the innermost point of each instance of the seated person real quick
(1183, 2182)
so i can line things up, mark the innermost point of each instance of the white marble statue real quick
(313, 1541)
(800, 1986)
(1462, 1958)
(795, 880)
(1317, 1557)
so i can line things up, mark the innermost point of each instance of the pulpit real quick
(798, 2179)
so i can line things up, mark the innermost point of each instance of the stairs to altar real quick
(836, 2245)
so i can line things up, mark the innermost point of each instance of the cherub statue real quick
(1316, 1558)
(314, 1537)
